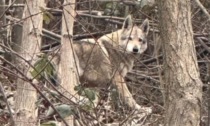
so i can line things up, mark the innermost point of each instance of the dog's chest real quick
(120, 60)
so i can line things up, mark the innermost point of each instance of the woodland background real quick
(28, 96)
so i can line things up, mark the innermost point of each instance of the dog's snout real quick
(135, 50)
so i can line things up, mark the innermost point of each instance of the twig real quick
(9, 72)
(203, 44)
(7, 9)
(13, 5)
(144, 76)
(55, 36)
(126, 2)
(203, 9)
(127, 118)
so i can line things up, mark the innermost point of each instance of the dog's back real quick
(94, 65)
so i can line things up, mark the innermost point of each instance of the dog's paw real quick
(146, 110)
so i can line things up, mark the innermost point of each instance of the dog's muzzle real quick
(135, 50)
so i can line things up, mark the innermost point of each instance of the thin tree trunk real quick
(26, 95)
(2, 22)
(68, 73)
(182, 81)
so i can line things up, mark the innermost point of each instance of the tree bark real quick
(26, 95)
(67, 68)
(183, 87)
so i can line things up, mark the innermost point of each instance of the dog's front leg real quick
(127, 96)
(124, 92)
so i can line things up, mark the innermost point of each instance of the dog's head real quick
(133, 38)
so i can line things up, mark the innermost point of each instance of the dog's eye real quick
(140, 40)
(143, 42)
(129, 38)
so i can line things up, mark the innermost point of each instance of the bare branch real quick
(203, 9)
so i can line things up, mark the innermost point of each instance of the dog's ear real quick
(128, 23)
(145, 26)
